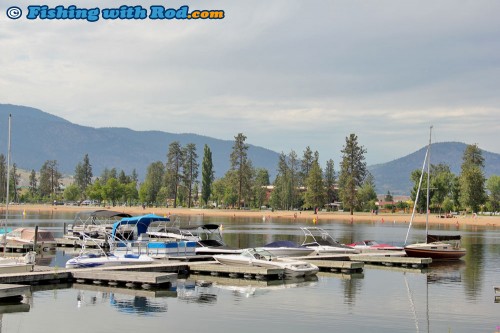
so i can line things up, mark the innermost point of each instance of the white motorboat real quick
(44, 238)
(108, 259)
(18, 264)
(262, 258)
(208, 237)
(95, 224)
(287, 248)
(321, 241)
(103, 258)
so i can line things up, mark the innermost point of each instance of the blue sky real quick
(287, 74)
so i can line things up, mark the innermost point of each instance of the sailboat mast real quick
(428, 186)
(8, 176)
(417, 196)
(7, 195)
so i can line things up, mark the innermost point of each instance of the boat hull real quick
(434, 253)
(292, 268)
(85, 262)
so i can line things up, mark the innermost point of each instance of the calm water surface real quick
(452, 297)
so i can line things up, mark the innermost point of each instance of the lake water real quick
(452, 297)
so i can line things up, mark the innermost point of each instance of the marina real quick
(172, 286)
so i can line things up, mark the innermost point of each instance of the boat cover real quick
(282, 244)
(439, 238)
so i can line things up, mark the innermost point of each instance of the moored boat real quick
(374, 245)
(435, 246)
(262, 258)
(104, 258)
(323, 243)
(287, 248)
(44, 238)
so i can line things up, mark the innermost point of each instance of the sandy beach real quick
(304, 216)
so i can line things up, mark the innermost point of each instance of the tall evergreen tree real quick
(293, 180)
(472, 180)
(153, 182)
(134, 177)
(280, 195)
(123, 178)
(174, 167)
(242, 167)
(83, 174)
(33, 183)
(352, 172)
(207, 175)
(329, 179)
(261, 181)
(50, 178)
(305, 165)
(190, 169)
(15, 178)
(315, 193)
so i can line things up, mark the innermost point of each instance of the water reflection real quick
(246, 288)
(188, 291)
(132, 301)
(12, 306)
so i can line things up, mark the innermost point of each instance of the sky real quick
(287, 74)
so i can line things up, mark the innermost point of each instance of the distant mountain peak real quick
(394, 176)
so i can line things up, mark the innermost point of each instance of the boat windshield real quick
(318, 236)
(257, 253)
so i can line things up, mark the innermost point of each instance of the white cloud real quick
(288, 74)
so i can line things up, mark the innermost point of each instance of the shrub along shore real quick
(266, 215)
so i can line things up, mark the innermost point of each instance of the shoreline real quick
(309, 216)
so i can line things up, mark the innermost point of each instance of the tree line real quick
(300, 182)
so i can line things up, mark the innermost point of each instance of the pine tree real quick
(190, 169)
(207, 175)
(33, 181)
(174, 167)
(352, 172)
(315, 193)
(472, 180)
(242, 167)
(83, 174)
(50, 179)
(329, 179)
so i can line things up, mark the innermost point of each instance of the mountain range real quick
(38, 136)
(394, 176)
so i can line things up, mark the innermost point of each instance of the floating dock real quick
(337, 266)
(252, 272)
(409, 262)
(127, 278)
(12, 290)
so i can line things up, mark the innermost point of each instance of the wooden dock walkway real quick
(337, 266)
(409, 262)
(127, 278)
(13, 290)
(236, 271)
